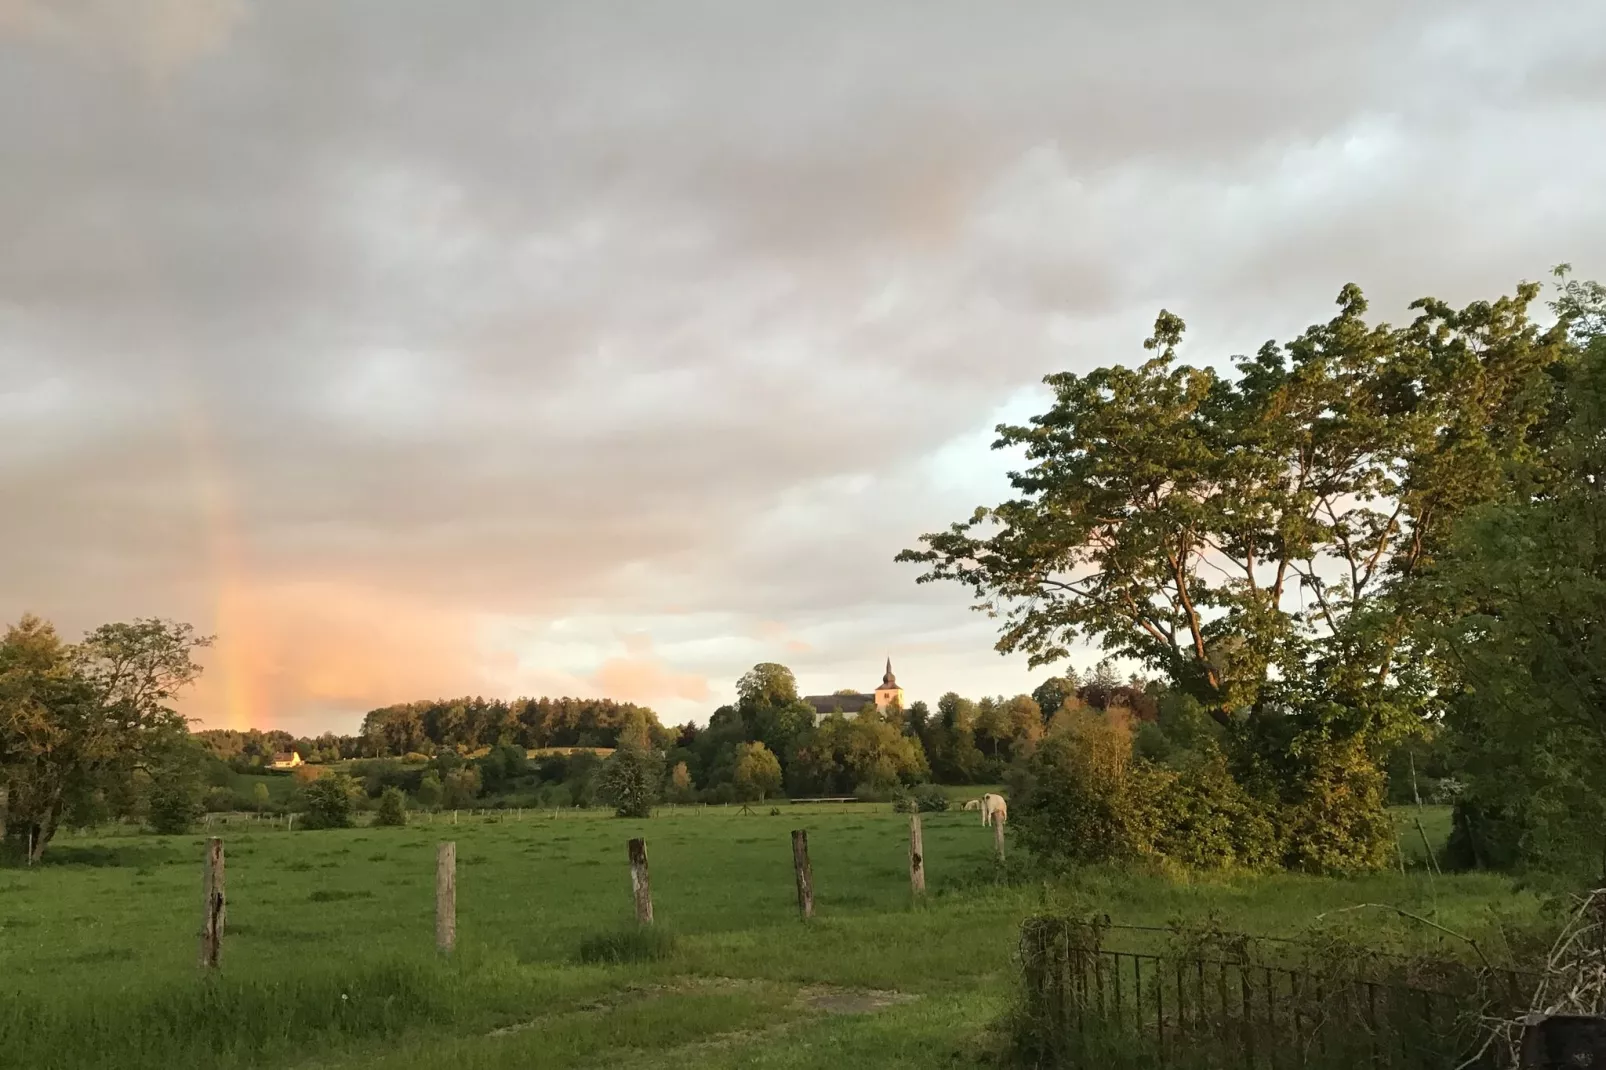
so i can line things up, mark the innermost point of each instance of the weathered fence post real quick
(446, 896)
(638, 881)
(805, 875)
(998, 836)
(213, 907)
(917, 856)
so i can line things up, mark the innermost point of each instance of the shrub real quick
(328, 801)
(640, 943)
(930, 799)
(875, 793)
(174, 806)
(630, 781)
(681, 789)
(554, 796)
(1201, 817)
(392, 808)
(904, 803)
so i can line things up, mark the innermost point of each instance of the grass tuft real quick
(639, 943)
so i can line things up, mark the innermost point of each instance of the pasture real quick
(329, 958)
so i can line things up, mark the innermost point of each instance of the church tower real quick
(889, 692)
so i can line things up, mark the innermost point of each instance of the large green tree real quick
(77, 719)
(1523, 658)
(1261, 538)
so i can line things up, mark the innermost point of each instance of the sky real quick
(419, 349)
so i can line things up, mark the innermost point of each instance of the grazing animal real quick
(993, 804)
(973, 804)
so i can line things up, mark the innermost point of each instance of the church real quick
(888, 694)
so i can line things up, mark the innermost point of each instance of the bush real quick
(328, 801)
(904, 803)
(392, 808)
(630, 781)
(875, 793)
(930, 799)
(640, 943)
(174, 806)
(1201, 817)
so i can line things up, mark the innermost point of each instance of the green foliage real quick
(758, 773)
(173, 805)
(528, 723)
(1068, 807)
(392, 808)
(840, 755)
(430, 790)
(460, 787)
(1264, 539)
(637, 943)
(930, 799)
(1083, 798)
(77, 722)
(681, 789)
(261, 798)
(329, 801)
(1521, 656)
(1201, 817)
(630, 781)
(503, 768)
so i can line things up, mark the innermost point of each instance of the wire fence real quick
(1086, 1005)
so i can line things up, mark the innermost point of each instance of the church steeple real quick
(889, 680)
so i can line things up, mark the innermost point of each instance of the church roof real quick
(839, 703)
(889, 680)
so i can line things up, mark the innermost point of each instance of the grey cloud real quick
(507, 305)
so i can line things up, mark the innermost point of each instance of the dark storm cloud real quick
(502, 307)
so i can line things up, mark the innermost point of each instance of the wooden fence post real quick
(638, 881)
(446, 896)
(805, 875)
(998, 836)
(917, 856)
(213, 907)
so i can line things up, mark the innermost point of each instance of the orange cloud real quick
(647, 680)
(288, 650)
(773, 631)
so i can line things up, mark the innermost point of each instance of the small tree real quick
(430, 791)
(758, 772)
(328, 801)
(462, 786)
(630, 780)
(174, 803)
(680, 785)
(260, 798)
(392, 808)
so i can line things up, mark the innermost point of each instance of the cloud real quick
(296, 654)
(479, 319)
(646, 680)
(157, 38)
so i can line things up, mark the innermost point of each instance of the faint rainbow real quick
(242, 700)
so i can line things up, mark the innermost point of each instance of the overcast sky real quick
(423, 348)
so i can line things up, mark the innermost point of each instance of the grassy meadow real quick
(329, 958)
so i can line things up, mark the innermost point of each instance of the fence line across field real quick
(641, 890)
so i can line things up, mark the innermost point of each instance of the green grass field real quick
(329, 958)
